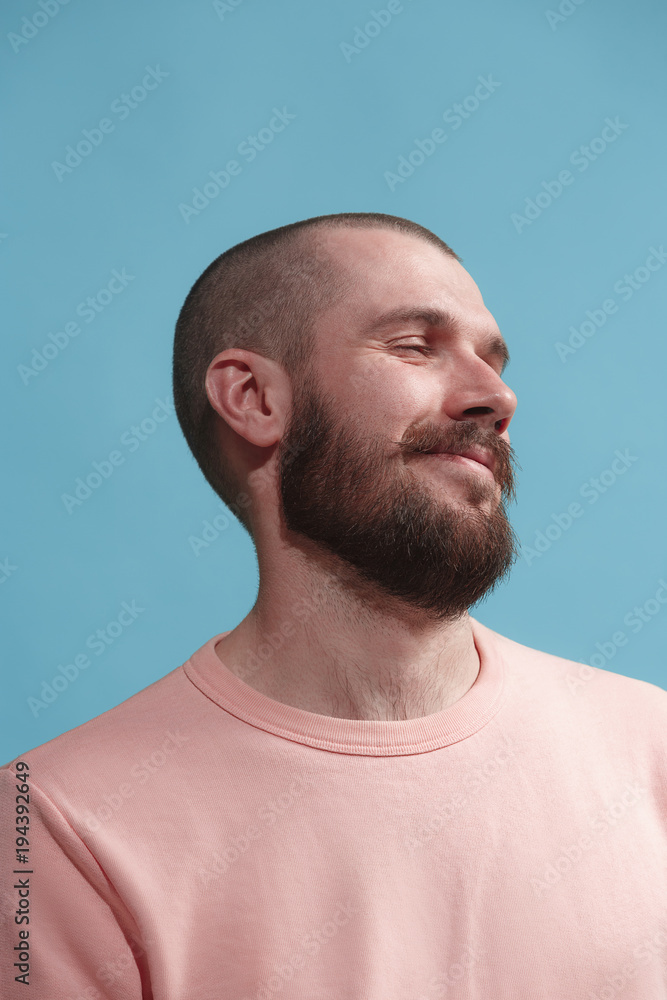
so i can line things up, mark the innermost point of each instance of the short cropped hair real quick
(261, 295)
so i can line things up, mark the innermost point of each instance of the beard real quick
(343, 489)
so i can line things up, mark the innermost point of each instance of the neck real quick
(320, 639)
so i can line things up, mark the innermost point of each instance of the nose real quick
(482, 396)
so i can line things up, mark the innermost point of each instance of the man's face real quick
(354, 474)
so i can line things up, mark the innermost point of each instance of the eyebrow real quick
(493, 345)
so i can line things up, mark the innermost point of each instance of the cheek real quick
(388, 386)
(385, 395)
(395, 398)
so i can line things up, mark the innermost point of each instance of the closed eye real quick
(424, 349)
(415, 347)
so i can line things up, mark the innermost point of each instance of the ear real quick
(251, 393)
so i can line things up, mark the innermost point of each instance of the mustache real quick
(462, 435)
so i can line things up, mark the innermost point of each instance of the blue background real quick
(356, 113)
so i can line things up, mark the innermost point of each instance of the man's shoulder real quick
(115, 738)
(580, 682)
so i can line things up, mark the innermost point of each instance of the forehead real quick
(386, 270)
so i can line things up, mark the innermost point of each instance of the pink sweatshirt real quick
(201, 841)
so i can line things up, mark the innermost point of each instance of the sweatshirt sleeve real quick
(66, 932)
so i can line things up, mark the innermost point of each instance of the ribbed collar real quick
(371, 738)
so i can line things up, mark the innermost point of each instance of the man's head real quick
(325, 358)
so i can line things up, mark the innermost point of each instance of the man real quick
(360, 792)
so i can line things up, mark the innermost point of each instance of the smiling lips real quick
(473, 457)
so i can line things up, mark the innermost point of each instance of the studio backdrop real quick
(141, 140)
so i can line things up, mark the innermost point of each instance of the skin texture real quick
(383, 546)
